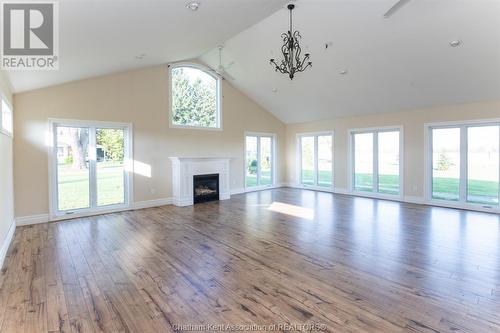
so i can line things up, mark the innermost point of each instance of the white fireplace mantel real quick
(183, 170)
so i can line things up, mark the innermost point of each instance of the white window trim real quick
(315, 174)
(462, 201)
(2, 130)
(350, 162)
(218, 88)
(54, 213)
(274, 153)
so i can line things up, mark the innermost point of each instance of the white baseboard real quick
(255, 189)
(406, 199)
(44, 218)
(6, 243)
(414, 200)
(237, 191)
(152, 203)
(32, 219)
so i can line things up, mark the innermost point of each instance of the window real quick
(464, 164)
(316, 159)
(88, 167)
(195, 97)
(376, 163)
(446, 163)
(6, 117)
(259, 160)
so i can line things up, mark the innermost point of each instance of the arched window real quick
(194, 97)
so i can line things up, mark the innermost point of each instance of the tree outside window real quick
(194, 98)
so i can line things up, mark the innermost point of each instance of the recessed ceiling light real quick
(343, 72)
(455, 43)
(274, 90)
(193, 5)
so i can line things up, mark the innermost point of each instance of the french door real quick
(316, 159)
(464, 164)
(87, 167)
(376, 164)
(259, 160)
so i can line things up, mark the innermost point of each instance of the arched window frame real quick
(218, 88)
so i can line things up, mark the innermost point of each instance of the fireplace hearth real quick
(205, 188)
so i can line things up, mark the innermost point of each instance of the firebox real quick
(205, 188)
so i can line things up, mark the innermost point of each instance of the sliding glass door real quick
(110, 166)
(316, 159)
(73, 172)
(259, 160)
(465, 163)
(482, 164)
(89, 167)
(308, 160)
(446, 163)
(376, 164)
(363, 161)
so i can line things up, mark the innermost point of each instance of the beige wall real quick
(141, 98)
(413, 123)
(6, 177)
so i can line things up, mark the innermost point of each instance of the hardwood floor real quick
(265, 258)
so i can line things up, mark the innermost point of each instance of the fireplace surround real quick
(184, 169)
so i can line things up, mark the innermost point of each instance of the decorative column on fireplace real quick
(205, 188)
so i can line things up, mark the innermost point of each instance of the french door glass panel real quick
(110, 167)
(308, 158)
(325, 160)
(388, 162)
(73, 168)
(316, 153)
(251, 161)
(259, 157)
(90, 169)
(446, 163)
(266, 148)
(363, 162)
(482, 164)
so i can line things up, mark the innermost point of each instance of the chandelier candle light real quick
(291, 62)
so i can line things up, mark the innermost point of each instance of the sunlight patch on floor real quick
(292, 210)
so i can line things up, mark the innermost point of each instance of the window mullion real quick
(258, 160)
(272, 160)
(375, 162)
(498, 169)
(54, 166)
(315, 179)
(299, 160)
(93, 167)
(352, 158)
(463, 165)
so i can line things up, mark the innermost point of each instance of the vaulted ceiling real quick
(97, 37)
(403, 62)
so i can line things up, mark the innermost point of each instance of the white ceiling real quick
(404, 62)
(104, 36)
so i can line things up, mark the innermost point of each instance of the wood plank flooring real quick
(265, 260)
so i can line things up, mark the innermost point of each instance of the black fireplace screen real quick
(205, 188)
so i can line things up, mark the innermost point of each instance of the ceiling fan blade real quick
(225, 75)
(395, 8)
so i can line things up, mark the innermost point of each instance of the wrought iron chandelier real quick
(291, 62)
